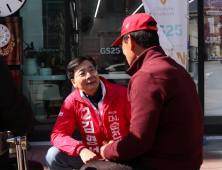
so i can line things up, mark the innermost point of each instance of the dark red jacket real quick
(166, 127)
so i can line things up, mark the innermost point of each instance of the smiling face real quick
(88, 84)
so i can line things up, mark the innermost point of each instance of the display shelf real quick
(49, 77)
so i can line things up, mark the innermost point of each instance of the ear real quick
(131, 42)
(73, 82)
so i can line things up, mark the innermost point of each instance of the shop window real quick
(44, 63)
(96, 30)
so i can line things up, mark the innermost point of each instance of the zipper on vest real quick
(100, 118)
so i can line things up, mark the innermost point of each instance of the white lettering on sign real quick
(115, 131)
(87, 129)
(110, 50)
(60, 113)
(211, 25)
(113, 118)
(210, 40)
(96, 149)
(91, 140)
(87, 115)
(118, 138)
(112, 112)
(114, 126)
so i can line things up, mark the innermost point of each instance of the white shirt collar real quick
(103, 92)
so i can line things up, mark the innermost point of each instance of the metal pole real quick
(21, 149)
(24, 151)
(201, 52)
(18, 152)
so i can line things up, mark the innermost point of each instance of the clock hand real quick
(2, 36)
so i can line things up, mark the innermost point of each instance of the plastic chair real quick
(48, 92)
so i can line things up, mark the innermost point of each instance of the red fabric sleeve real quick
(127, 108)
(146, 104)
(61, 136)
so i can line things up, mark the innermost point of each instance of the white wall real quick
(31, 14)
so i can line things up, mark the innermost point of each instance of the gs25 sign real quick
(110, 50)
(172, 31)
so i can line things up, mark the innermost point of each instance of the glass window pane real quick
(93, 32)
(44, 62)
(212, 65)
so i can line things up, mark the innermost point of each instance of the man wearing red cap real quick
(166, 126)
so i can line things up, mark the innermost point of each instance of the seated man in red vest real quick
(99, 109)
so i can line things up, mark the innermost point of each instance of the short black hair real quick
(75, 62)
(144, 38)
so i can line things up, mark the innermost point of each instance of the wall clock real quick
(8, 7)
(11, 47)
(4, 35)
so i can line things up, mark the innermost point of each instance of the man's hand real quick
(87, 155)
(103, 147)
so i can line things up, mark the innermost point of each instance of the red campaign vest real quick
(113, 124)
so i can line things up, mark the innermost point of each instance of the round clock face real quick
(8, 7)
(4, 35)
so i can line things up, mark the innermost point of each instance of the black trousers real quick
(132, 164)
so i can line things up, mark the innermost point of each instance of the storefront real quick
(56, 31)
(212, 65)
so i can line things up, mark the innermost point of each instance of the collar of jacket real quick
(146, 55)
(103, 92)
(111, 92)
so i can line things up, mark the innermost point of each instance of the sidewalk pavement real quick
(212, 153)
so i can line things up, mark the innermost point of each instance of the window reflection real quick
(212, 64)
(44, 34)
(97, 31)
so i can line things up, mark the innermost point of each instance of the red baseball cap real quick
(135, 22)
